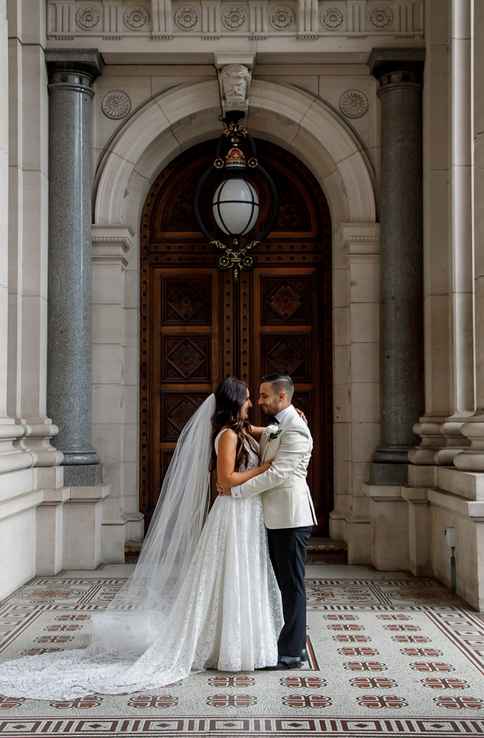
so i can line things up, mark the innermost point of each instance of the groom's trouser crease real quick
(287, 549)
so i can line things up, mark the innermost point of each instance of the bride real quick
(203, 594)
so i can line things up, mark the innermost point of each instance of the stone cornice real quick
(178, 25)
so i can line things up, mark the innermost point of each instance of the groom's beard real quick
(267, 410)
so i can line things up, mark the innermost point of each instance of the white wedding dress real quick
(227, 615)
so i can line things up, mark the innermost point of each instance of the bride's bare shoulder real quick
(226, 437)
(226, 433)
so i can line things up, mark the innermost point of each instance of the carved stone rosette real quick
(211, 19)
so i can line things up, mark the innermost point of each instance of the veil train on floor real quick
(124, 652)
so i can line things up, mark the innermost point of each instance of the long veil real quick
(140, 610)
(129, 648)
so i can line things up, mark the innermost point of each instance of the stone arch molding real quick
(182, 116)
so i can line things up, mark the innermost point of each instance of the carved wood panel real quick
(198, 325)
(290, 339)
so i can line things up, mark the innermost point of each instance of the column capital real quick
(75, 68)
(397, 65)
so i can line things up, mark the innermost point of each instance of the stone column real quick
(71, 74)
(399, 73)
(3, 208)
(12, 458)
(437, 268)
(461, 298)
(28, 237)
(472, 459)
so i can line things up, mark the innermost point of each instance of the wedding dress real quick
(219, 608)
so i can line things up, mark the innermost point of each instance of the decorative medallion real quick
(186, 17)
(231, 700)
(312, 682)
(8, 703)
(136, 18)
(459, 703)
(116, 104)
(332, 18)
(353, 104)
(143, 701)
(239, 680)
(88, 17)
(436, 683)
(282, 17)
(185, 357)
(234, 17)
(88, 702)
(381, 701)
(381, 17)
(286, 300)
(302, 701)
(373, 683)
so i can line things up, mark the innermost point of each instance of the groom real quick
(288, 508)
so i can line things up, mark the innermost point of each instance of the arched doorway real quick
(198, 325)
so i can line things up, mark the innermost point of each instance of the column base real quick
(69, 528)
(82, 475)
(39, 432)
(390, 465)
(389, 527)
(429, 429)
(388, 473)
(472, 459)
(392, 455)
(456, 442)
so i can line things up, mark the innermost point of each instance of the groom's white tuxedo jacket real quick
(287, 500)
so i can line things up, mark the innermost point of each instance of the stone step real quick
(324, 550)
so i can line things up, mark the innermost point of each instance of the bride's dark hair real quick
(230, 396)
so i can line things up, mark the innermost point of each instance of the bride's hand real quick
(223, 491)
(266, 465)
(301, 415)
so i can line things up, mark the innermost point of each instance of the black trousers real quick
(287, 549)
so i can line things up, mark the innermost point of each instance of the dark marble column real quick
(71, 74)
(399, 73)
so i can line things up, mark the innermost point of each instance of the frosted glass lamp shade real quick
(235, 206)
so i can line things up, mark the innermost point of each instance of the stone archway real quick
(185, 115)
(314, 132)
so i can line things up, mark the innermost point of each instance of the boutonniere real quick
(275, 434)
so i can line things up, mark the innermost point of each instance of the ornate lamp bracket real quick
(235, 165)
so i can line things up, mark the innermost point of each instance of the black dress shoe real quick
(284, 665)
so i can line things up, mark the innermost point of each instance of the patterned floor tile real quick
(389, 657)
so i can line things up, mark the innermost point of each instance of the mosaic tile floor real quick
(390, 655)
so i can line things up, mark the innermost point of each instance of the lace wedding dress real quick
(226, 615)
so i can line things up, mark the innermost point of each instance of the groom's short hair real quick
(281, 383)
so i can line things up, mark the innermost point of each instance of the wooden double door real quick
(199, 325)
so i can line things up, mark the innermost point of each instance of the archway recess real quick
(310, 129)
(180, 117)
